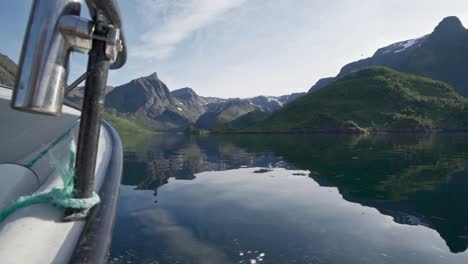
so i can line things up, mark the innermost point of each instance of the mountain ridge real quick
(374, 98)
(150, 99)
(441, 55)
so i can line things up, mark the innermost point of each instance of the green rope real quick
(61, 197)
(52, 144)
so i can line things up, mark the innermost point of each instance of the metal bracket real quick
(79, 34)
(114, 43)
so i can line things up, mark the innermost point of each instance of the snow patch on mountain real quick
(407, 44)
(274, 99)
(401, 46)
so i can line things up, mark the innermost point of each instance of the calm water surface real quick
(294, 199)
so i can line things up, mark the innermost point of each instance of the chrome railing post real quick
(43, 67)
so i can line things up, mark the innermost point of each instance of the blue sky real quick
(243, 48)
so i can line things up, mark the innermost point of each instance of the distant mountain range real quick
(148, 101)
(149, 98)
(224, 113)
(441, 55)
(348, 102)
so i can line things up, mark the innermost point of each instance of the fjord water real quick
(294, 199)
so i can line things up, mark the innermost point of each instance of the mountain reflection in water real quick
(414, 180)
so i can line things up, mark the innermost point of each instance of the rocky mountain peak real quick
(150, 98)
(146, 95)
(184, 93)
(449, 26)
(154, 75)
(152, 78)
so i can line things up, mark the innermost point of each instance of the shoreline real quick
(350, 131)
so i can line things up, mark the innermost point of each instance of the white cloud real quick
(172, 21)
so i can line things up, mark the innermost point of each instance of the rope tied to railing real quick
(60, 197)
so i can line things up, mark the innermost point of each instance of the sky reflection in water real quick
(256, 206)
